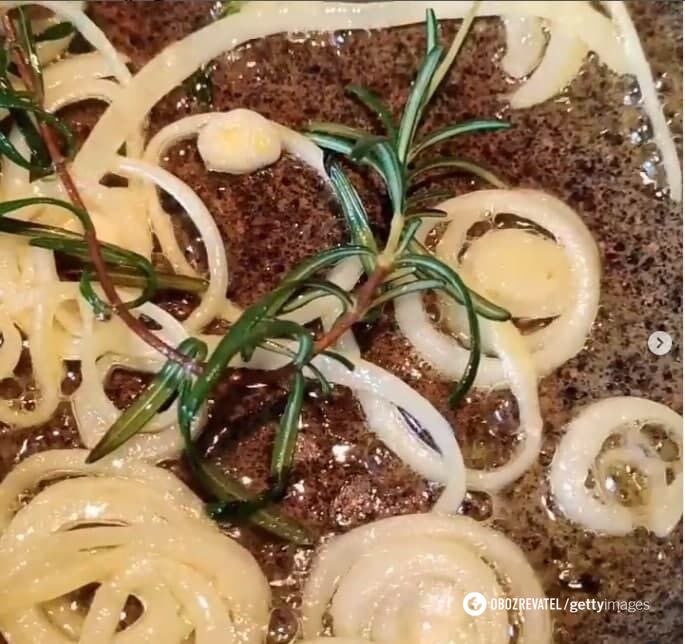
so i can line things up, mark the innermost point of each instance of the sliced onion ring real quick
(130, 529)
(639, 66)
(213, 298)
(582, 444)
(552, 345)
(71, 12)
(561, 63)
(94, 411)
(185, 128)
(405, 579)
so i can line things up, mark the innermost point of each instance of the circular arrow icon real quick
(660, 343)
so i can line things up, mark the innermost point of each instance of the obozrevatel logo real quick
(475, 604)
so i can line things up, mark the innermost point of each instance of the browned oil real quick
(589, 146)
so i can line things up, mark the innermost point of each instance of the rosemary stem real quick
(394, 237)
(363, 296)
(51, 142)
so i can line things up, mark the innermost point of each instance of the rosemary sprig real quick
(402, 265)
(399, 148)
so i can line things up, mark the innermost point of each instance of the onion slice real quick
(213, 298)
(525, 45)
(561, 63)
(293, 142)
(94, 411)
(373, 382)
(406, 579)
(72, 12)
(552, 345)
(583, 446)
(130, 529)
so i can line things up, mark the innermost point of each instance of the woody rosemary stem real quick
(363, 296)
(51, 142)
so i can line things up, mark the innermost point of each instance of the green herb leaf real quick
(432, 31)
(375, 103)
(228, 8)
(482, 305)
(158, 393)
(332, 142)
(408, 233)
(10, 151)
(230, 345)
(428, 213)
(165, 281)
(28, 44)
(318, 288)
(56, 32)
(229, 491)
(74, 245)
(404, 289)
(381, 154)
(453, 51)
(457, 163)
(354, 212)
(336, 129)
(413, 110)
(456, 129)
(41, 164)
(416, 201)
(12, 100)
(339, 357)
(286, 437)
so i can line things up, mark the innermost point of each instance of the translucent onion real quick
(387, 422)
(239, 142)
(552, 345)
(94, 411)
(40, 300)
(583, 450)
(527, 274)
(214, 296)
(370, 379)
(49, 50)
(78, 67)
(77, 90)
(72, 12)
(10, 349)
(185, 128)
(525, 45)
(561, 63)
(141, 532)
(404, 579)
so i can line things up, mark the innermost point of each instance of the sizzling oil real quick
(589, 146)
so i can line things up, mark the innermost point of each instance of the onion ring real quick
(405, 578)
(581, 446)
